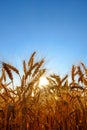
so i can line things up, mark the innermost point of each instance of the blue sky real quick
(56, 29)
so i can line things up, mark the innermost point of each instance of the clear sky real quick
(56, 29)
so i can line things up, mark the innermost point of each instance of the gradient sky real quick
(56, 29)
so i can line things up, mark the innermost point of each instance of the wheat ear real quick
(31, 60)
(5, 66)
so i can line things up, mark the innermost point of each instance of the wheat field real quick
(60, 105)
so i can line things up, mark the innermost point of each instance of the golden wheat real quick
(24, 66)
(60, 105)
(31, 60)
(5, 66)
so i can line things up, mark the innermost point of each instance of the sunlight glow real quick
(43, 82)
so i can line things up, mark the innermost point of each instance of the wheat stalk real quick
(28, 73)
